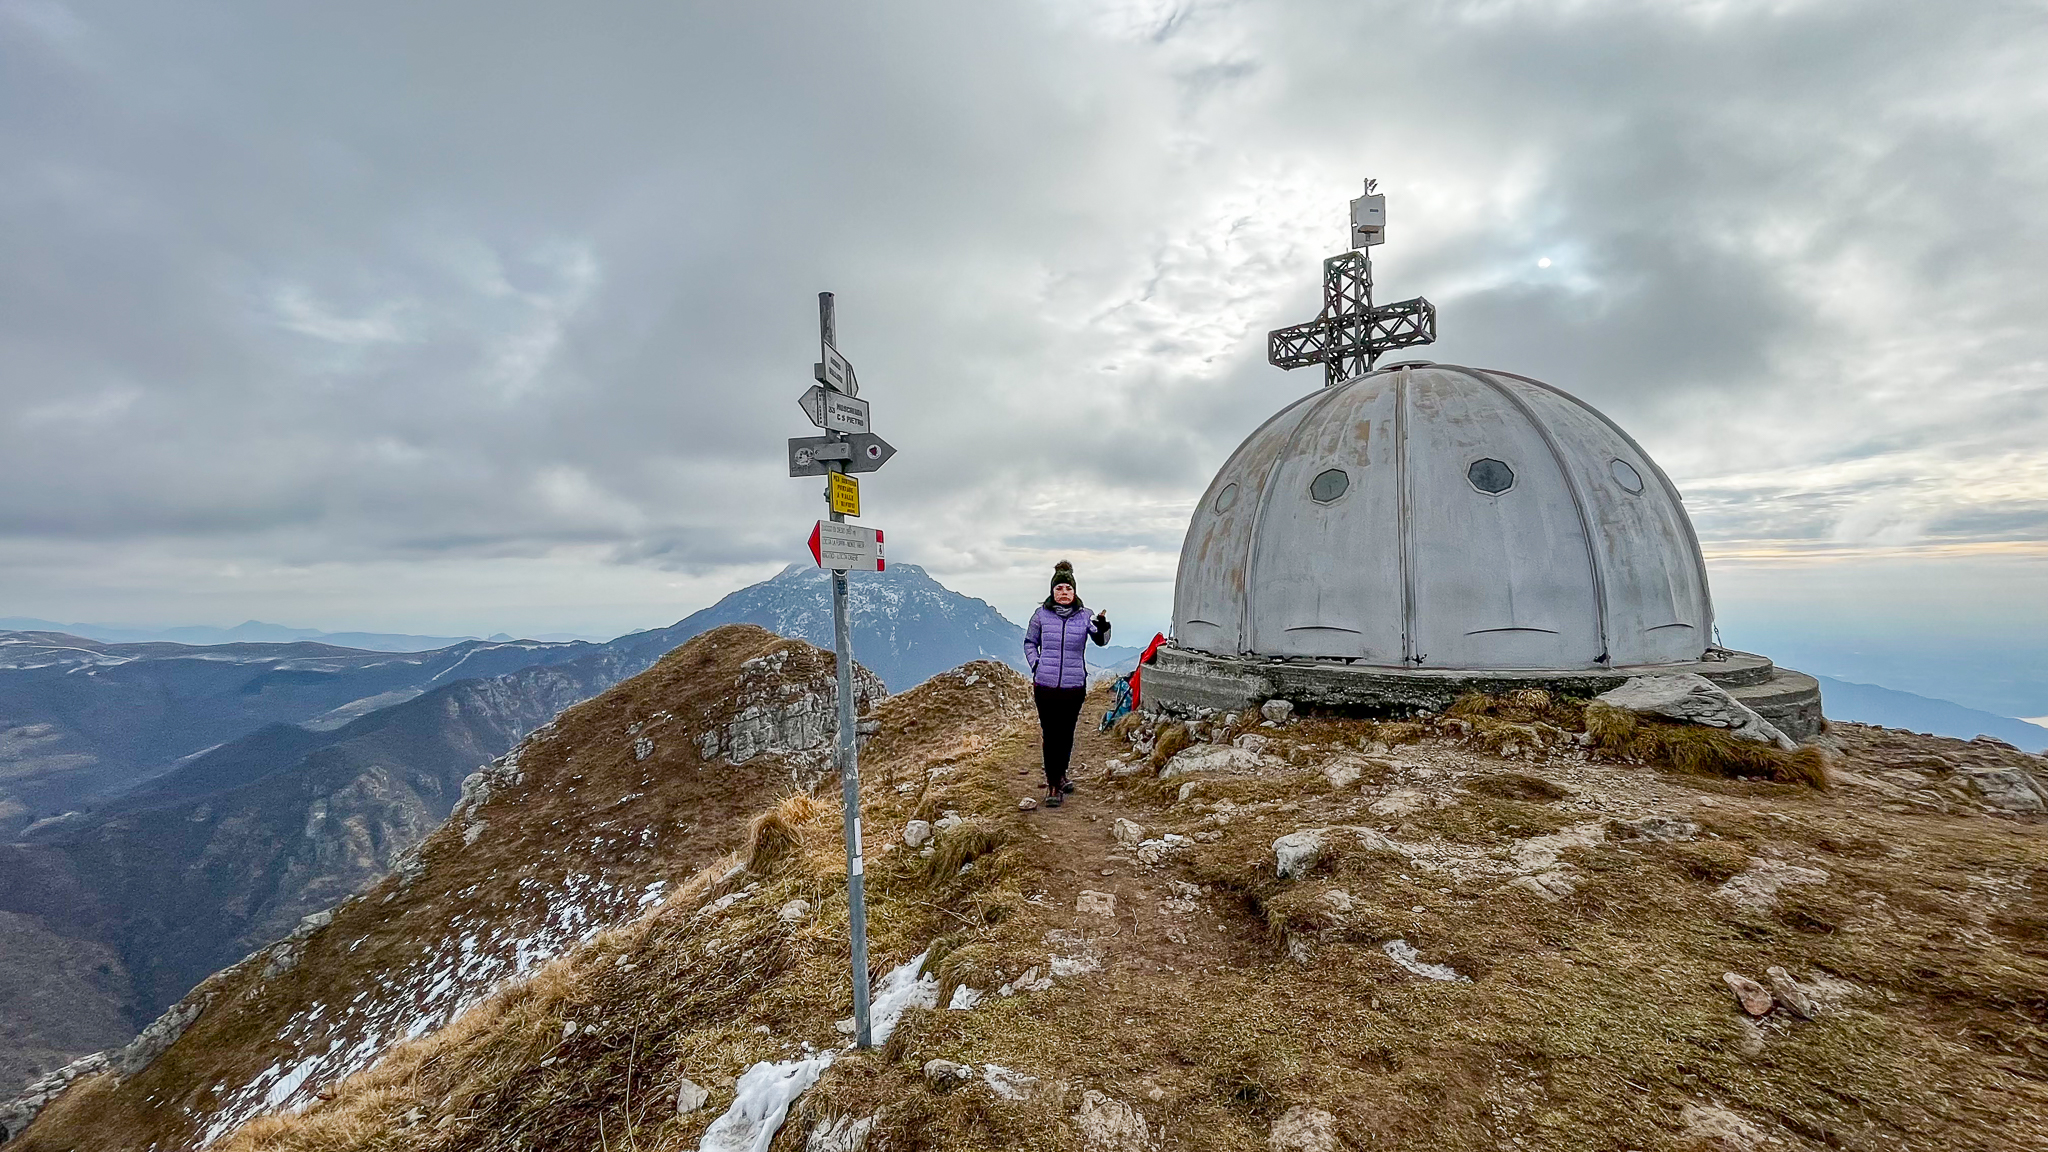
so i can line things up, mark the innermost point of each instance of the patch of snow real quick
(901, 990)
(764, 1094)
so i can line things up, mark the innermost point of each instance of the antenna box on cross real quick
(1369, 220)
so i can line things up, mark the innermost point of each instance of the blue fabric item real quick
(1119, 702)
(1056, 644)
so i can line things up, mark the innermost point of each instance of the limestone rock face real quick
(1792, 994)
(776, 712)
(1091, 903)
(843, 1134)
(1129, 833)
(2008, 789)
(16, 1114)
(690, 1096)
(944, 1075)
(1694, 699)
(1718, 1128)
(1755, 888)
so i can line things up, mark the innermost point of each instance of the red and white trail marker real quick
(847, 547)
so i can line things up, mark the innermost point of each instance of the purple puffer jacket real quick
(1056, 645)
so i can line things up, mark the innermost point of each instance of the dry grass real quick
(1622, 735)
(696, 989)
(1586, 1023)
(774, 836)
(962, 844)
(1173, 739)
(1522, 706)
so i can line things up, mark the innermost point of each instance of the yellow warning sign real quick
(843, 493)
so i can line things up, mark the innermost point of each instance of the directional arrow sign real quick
(847, 547)
(870, 452)
(807, 455)
(836, 372)
(813, 404)
(834, 411)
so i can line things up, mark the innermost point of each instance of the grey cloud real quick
(476, 283)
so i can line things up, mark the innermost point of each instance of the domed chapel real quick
(1412, 532)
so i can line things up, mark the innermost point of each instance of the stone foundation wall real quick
(1183, 680)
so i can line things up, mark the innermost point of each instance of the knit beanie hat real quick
(1063, 573)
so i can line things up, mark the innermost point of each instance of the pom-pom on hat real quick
(1063, 573)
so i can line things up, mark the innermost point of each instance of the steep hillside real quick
(588, 820)
(1455, 932)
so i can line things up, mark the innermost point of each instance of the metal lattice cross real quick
(1352, 333)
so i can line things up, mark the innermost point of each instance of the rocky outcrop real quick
(778, 712)
(1694, 699)
(1297, 853)
(18, 1113)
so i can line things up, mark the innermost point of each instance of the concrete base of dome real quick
(1182, 680)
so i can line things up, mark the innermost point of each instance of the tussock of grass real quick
(1622, 735)
(1172, 739)
(773, 836)
(1394, 733)
(1522, 706)
(962, 844)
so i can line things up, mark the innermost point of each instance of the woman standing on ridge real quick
(1056, 647)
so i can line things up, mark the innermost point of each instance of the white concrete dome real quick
(1432, 516)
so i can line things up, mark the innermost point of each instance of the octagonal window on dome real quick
(1226, 499)
(1328, 485)
(1625, 475)
(1491, 476)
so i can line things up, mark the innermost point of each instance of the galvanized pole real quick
(849, 747)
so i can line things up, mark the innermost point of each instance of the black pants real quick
(1058, 710)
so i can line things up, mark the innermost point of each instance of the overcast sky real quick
(468, 317)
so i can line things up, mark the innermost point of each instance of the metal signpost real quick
(846, 447)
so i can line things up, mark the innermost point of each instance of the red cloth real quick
(1151, 650)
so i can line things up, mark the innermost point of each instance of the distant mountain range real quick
(1870, 704)
(81, 721)
(257, 632)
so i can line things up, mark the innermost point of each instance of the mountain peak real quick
(907, 626)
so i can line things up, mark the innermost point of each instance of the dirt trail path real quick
(1077, 843)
